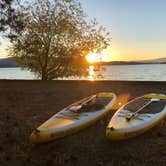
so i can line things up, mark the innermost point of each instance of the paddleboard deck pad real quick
(75, 117)
(137, 116)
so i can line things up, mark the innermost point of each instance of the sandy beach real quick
(24, 105)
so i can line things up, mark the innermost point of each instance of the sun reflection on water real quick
(95, 72)
(91, 73)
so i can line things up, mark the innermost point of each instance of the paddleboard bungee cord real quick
(130, 116)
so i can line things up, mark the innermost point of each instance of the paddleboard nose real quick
(36, 137)
(109, 131)
(112, 133)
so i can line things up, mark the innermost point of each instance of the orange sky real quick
(137, 51)
(131, 53)
(3, 46)
(121, 52)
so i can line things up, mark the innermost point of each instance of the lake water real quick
(150, 72)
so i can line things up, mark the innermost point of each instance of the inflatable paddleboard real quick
(137, 116)
(74, 117)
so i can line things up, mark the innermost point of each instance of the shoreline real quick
(25, 104)
(36, 80)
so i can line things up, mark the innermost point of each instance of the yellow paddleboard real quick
(74, 117)
(137, 116)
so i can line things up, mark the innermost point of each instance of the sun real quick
(98, 57)
(92, 58)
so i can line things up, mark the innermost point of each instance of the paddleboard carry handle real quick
(130, 116)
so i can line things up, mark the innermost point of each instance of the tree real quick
(56, 39)
(10, 18)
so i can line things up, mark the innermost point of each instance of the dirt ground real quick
(24, 105)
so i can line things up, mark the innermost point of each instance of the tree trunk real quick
(44, 75)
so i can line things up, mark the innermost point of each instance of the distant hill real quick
(159, 60)
(119, 63)
(153, 61)
(7, 62)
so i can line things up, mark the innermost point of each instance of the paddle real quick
(75, 108)
(129, 117)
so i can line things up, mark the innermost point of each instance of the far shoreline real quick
(113, 63)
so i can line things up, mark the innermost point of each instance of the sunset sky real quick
(138, 28)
